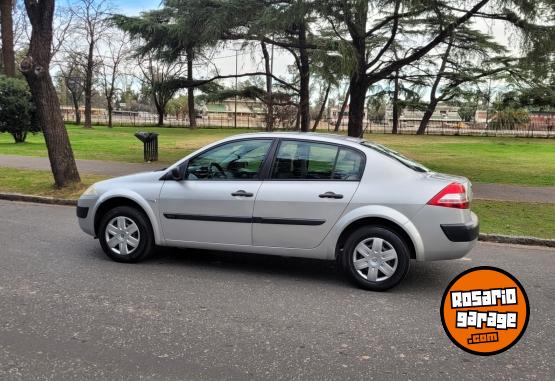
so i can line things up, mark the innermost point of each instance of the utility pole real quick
(236, 86)
(487, 104)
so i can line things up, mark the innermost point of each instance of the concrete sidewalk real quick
(500, 192)
(95, 167)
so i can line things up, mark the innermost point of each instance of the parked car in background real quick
(301, 195)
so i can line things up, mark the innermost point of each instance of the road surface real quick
(67, 312)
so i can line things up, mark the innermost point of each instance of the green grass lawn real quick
(519, 218)
(482, 159)
(40, 183)
(516, 218)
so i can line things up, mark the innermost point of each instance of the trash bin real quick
(150, 142)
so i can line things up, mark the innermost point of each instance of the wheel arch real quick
(376, 221)
(119, 200)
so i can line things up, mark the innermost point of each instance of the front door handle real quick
(242, 193)
(331, 195)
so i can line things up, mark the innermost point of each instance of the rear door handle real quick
(242, 193)
(331, 195)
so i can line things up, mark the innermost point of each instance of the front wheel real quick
(125, 234)
(377, 258)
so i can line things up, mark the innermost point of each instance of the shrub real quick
(17, 110)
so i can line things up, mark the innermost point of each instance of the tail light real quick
(452, 196)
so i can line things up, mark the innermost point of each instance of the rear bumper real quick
(461, 232)
(441, 237)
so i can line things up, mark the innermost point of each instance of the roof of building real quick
(216, 107)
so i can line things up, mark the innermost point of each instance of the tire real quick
(132, 244)
(373, 271)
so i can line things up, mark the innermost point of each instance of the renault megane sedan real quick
(300, 195)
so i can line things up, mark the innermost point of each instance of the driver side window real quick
(239, 160)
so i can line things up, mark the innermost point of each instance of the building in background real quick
(249, 112)
(411, 117)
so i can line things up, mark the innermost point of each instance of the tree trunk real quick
(359, 80)
(342, 111)
(322, 108)
(426, 118)
(191, 90)
(88, 86)
(269, 87)
(434, 99)
(6, 23)
(35, 67)
(19, 136)
(396, 108)
(304, 72)
(76, 109)
(160, 110)
(110, 110)
(359, 88)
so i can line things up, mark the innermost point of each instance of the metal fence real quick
(536, 130)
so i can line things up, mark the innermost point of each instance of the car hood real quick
(141, 177)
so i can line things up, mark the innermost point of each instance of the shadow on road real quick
(421, 277)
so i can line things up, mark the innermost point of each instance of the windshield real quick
(397, 156)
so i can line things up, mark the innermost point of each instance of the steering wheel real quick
(221, 172)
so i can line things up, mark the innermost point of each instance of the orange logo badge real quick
(485, 310)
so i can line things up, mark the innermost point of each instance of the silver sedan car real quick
(300, 195)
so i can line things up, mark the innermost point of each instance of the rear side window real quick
(298, 160)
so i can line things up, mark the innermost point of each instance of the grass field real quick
(40, 183)
(516, 218)
(482, 159)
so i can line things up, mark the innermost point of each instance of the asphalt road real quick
(67, 312)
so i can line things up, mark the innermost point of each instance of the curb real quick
(36, 199)
(516, 240)
(498, 238)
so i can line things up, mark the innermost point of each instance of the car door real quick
(215, 200)
(309, 187)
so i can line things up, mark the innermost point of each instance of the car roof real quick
(314, 136)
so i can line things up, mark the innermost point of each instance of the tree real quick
(116, 50)
(72, 73)
(285, 24)
(6, 23)
(92, 15)
(468, 57)
(35, 66)
(177, 31)
(186, 28)
(17, 111)
(344, 104)
(178, 107)
(369, 42)
(323, 103)
(156, 76)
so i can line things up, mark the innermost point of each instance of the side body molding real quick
(376, 211)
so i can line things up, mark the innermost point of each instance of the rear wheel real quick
(125, 234)
(376, 258)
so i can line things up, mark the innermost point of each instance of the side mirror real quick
(176, 174)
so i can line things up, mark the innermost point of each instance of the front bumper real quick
(85, 214)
